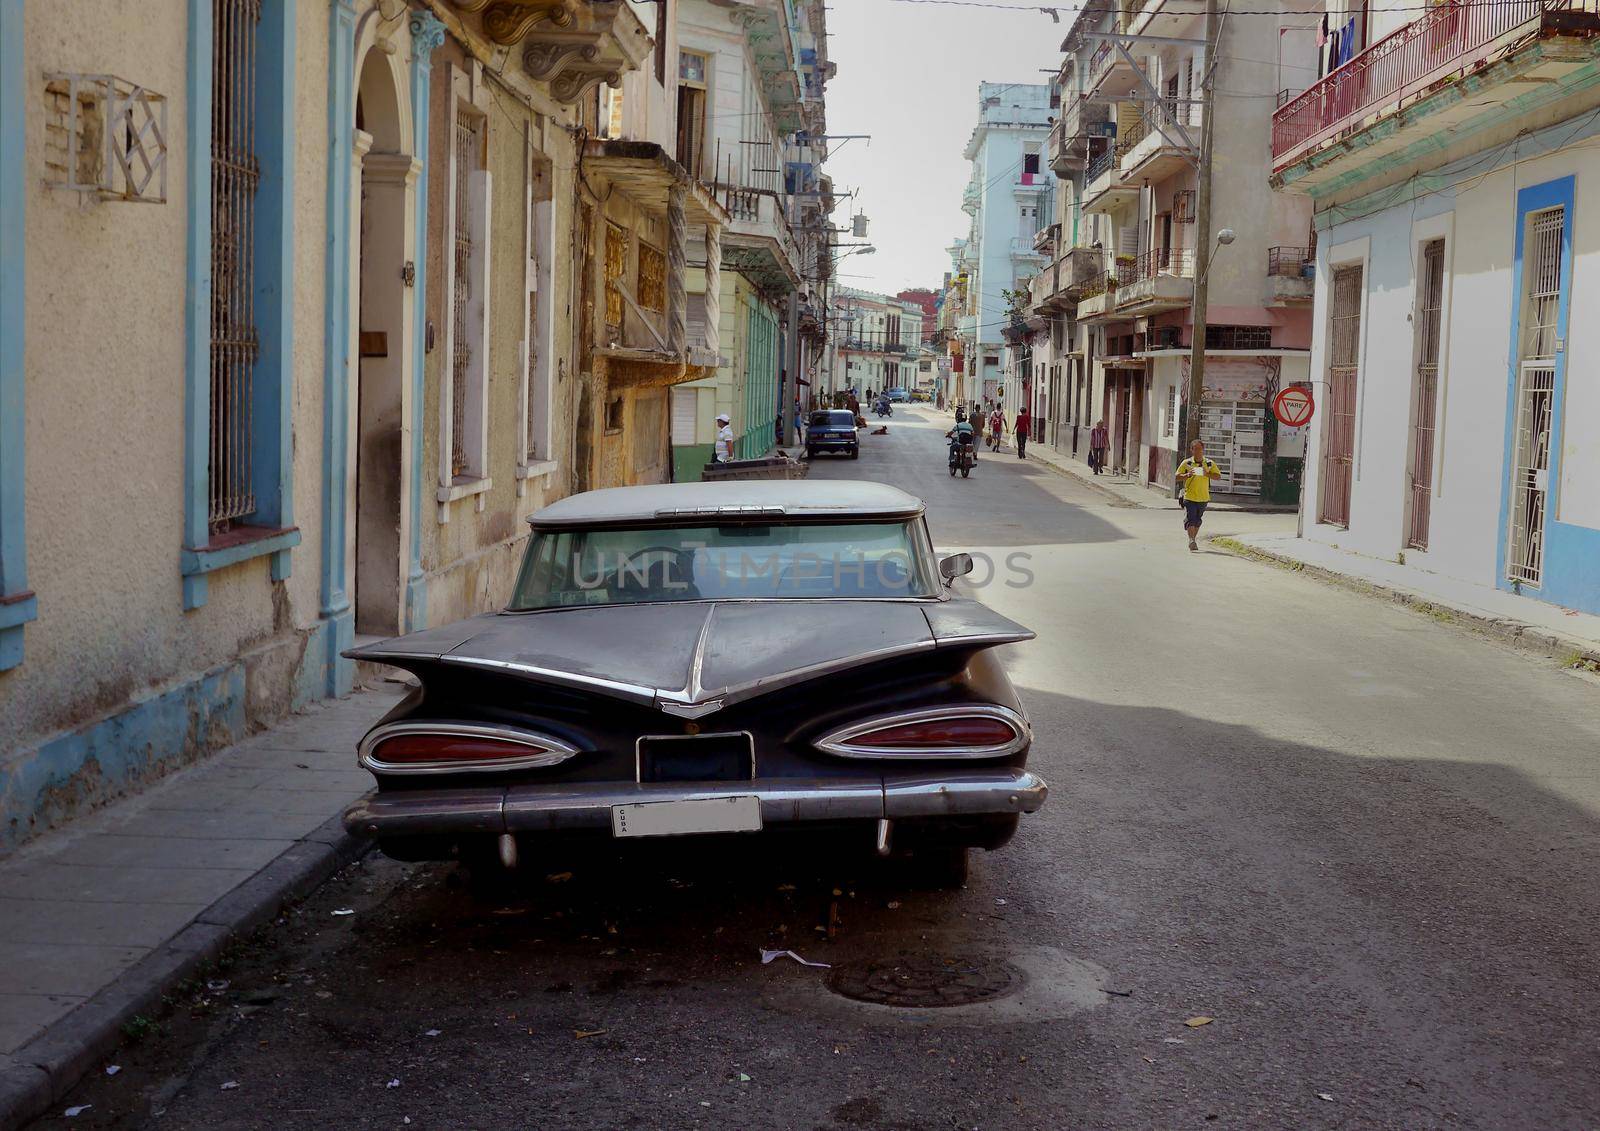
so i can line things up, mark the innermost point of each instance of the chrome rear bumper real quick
(587, 805)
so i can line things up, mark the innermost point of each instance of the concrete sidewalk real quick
(1523, 621)
(98, 919)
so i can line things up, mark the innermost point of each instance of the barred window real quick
(235, 177)
(462, 448)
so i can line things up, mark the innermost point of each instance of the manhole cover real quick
(926, 982)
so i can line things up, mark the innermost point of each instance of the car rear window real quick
(636, 565)
(833, 418)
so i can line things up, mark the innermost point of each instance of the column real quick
(677, 269)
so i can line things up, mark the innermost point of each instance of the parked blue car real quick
(898, 396)
(832, 430)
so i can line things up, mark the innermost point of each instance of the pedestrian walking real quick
(978, 422)
(997, 427)
(1196, 474)
(1024, 423)
(724, 438)
(1099, 439)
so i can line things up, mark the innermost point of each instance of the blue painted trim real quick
(336, 328)
(77, 771)
(427, 33)
(197, 297)
(1560, 539)
(208, 560)
(273, 443)
(19, 610)
(13, 314)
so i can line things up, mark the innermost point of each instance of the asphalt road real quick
(1362, 842)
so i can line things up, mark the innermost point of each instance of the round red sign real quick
(1293, 407)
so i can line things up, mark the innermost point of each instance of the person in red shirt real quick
(1024, 423)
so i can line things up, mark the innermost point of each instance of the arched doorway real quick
(385, 270)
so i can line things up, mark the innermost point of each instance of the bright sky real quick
(908, 75)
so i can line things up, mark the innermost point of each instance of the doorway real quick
(383, 334)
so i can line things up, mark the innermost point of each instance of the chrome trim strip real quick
(965, 795)
(735, 692)
(638, 748)
(428, 812)
(569, 679)
(838, 742)
(549, 751)
(783, 800)
(587, 805)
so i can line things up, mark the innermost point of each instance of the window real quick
(463, 454)
(652, 278)
(235, 175)
(1169, 427)
(615, 267)
(609, 117)
(692, 70)
(1430, 304)
(614, 415)
(1339, 429)
(1030, 164)
(1535, 396)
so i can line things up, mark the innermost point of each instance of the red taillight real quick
(412, 749)
(419, 748)
(935, 734)
(975, 731)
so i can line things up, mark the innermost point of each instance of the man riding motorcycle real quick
(961, 435)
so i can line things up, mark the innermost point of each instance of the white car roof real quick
(730, 499)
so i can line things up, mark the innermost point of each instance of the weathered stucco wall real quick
(113, 646)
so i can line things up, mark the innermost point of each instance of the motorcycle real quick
(882, 408)
(962, 457)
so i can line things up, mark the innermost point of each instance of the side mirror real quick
(956, 565)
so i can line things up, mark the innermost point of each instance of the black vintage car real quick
(710, 658)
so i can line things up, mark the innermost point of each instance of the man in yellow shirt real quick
(1195, 474)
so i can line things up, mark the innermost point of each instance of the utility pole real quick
(1202, 225)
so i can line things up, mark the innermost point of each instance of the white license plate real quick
(678, 818)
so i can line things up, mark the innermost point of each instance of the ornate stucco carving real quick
(508, 22)
(546, 60)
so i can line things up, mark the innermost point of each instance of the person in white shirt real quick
(724, 438)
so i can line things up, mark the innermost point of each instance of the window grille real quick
(468, 160)
(534, 408)
(1431, 304)
(1170, 427)
(1535, 400)
(652, 278)
(616, 265)
(1344, 356)
(235, 176)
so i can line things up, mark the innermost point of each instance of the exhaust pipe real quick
(508, 851)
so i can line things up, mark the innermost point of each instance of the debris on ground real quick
(229, 1085)
(393, 1084)
(767, 956)
(113, 1069)
(74, 1112)
(1196, 1022)
(1325, 1096)
(584, 1034)
(345, 911)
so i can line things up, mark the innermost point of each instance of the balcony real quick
(1044, 240)
(1159, 146)
(1067, 154)
(1161, 279)
(1079, 267)
(1291, 275)
(1110, 73)
(1105, 188)
(1098, 299)
(1023, 251)
(757, 241)
(1030, 185)
(1394, 100)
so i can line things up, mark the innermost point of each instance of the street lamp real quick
(1224, 238)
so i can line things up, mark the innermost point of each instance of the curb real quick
(1515, 633)
(42, 1072)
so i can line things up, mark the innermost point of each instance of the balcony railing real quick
(1405, 58)
(1103, 283)
(1290, 262)
(1177, 261)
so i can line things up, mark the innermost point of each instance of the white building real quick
(1457, 382)
(1009, 199)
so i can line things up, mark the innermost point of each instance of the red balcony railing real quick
(1401, 60)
